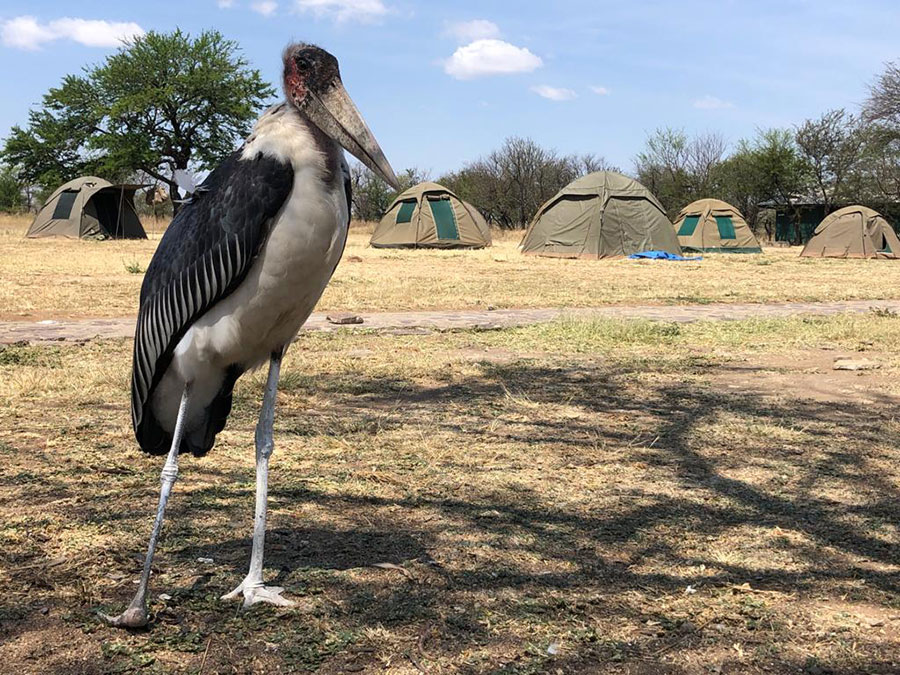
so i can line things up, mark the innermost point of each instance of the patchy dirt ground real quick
(567, 498)
(810, 375)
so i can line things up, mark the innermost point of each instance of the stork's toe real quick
(255, 594)
(133, 617)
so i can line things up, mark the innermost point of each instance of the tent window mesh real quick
(404, 215)
(688, 226)
(726, 227)
(444, 220)
(64, 205)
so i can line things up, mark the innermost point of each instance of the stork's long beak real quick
(335, 114)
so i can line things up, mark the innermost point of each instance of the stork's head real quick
(312, 84)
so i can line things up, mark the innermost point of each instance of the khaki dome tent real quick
(853, 232)
(601, 215)
(428, 215)
(714, 226)
(89, 207)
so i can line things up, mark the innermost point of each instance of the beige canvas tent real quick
(853, 232)
(714, 226)
(89, 207)
(429, 215)
(603, 214)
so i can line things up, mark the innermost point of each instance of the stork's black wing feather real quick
(204, 255)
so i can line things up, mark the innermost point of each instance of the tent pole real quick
(119, 214)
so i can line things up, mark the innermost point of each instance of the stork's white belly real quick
(267, 310)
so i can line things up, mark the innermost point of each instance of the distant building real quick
(796, 223)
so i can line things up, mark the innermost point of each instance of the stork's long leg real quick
(136, 614)
(252, 587)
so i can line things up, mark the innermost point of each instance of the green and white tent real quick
(429, 215)
(714, 226)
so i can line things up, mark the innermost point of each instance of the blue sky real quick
(441, 83)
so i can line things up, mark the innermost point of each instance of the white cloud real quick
(96, 33)
(554, 93)
(225, 4)
(343, 10)
(600, 91)
(25, 32)
(264, 7)
(712, 103)
(490, 57)
(468, 31)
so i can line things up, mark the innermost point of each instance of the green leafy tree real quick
(737, 181)
(165, 101)
(781, 171)
(768, 168)
(11, 191)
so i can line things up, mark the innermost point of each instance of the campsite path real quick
(81, 330)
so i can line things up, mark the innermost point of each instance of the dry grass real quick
(595, 489)
(65, 278)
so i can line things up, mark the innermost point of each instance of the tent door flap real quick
(726, 227)
(444, 219)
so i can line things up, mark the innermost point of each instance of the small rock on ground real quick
(855, 364)
(344, 319)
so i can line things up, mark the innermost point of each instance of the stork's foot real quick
(133, 617)
(253, 593)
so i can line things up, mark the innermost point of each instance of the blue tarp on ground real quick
(661, 255)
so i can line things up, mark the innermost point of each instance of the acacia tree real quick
(678, 169)
(883, 104)
(372, 196)
(662, 167)
(880, 168)
(831, 147)
(704, 155)
(589, 163)
(165, 101)
(881, 112)
(511, 183)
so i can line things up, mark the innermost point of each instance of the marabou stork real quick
(235, 276)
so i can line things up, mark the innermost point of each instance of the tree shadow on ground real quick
(672, 414)
(578, 566)
(851, 442)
